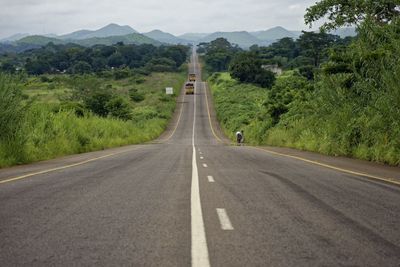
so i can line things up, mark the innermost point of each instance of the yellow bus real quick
(189, 88)
(192, 77)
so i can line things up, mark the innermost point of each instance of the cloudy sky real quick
(175, 16)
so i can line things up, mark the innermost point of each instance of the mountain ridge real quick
(113, 33)
(165, 37)
(111, 29)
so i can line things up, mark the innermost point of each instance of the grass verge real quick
(42, 128)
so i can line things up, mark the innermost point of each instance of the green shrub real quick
(119, 107)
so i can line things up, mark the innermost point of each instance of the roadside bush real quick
(122, 73)
(97, 102)
(81, 67)
(119, 107)
(12, 116)
(135, 95)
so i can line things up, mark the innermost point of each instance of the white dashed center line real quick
(210, 179)
(224, 220)
(205, 165)
(201, 157)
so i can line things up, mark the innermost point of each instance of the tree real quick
(246, 67)
(315, 45)
(97, 102)
(352, 12)
(99, 64)
(119, 107)
(37, 66)
(161, 64)
(265, 78)
(219, 53)
(116, 60)
(81, 67)
(7, 67)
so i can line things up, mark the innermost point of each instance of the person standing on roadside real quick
(240, 137)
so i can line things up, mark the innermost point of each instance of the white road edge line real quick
(205, 165)
(210, 179)
(200, 256)
(224, 220)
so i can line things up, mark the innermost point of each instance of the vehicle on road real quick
(189, 88)
(192, 77)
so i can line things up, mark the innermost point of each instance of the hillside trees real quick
(219, 54)
(315, 45)
(246, 67)
(75, 59)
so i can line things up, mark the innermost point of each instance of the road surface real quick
(190, 200)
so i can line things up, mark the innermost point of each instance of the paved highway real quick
(188, 199)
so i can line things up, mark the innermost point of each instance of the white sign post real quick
(169, 90)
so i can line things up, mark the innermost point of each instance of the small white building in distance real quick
(274, 68)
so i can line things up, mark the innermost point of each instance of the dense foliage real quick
(218, 54)
(247, 67)
(75, 59)
(336, 96)
(348, 12)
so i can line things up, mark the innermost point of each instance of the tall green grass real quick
(328, 121)
(12, 118)
(33, 129)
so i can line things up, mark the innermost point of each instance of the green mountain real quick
(165, 37)
(38, 40)
(14, 37)
(107, 31)
(243, 38)
(133, 38)
(35, 41)
(274, 34)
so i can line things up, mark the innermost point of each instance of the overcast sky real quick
(174, 16)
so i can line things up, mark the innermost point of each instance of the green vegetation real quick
(237, 105)
(347, 12)
(218, 54)
(49, 116)
(74, 59)
(39, 40)
(246, 67)
(349, 106)
(133, 38)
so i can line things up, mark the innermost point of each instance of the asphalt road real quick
(157, 205)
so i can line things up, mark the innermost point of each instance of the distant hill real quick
(133, 38)
(243, 38)
(107, 31)
(165, 37)
(14, 37)
(274, 34)
(16, 48)
(193, 36)
(38, 40)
